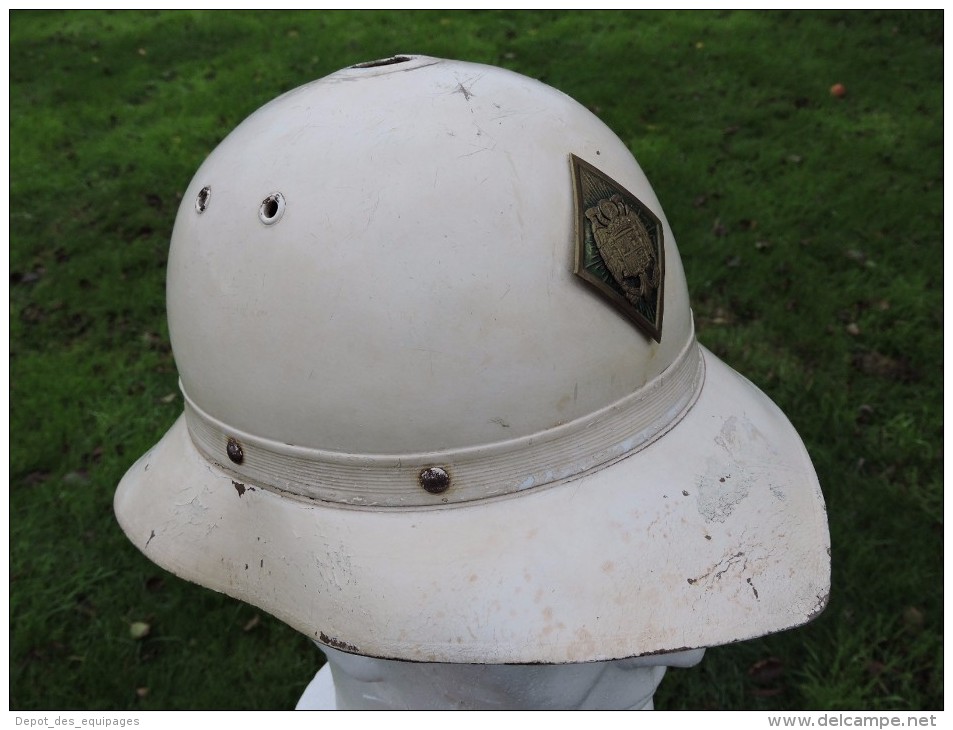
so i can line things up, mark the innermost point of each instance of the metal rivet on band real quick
(434, 480)
(234, 451)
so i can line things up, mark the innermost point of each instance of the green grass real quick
(810, 229)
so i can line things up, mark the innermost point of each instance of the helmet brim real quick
(714, 533)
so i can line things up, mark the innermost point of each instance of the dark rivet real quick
(434, 480)
(234, 450)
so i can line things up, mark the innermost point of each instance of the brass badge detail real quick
(619, 247)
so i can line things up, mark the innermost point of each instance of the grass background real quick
(811, 232)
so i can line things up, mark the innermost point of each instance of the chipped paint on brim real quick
(715, 533)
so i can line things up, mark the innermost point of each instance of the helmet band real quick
(492, 470)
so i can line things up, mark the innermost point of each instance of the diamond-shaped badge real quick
(619, 247)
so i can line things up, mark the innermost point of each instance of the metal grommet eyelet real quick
(434, 480)
(202, 199)
(271, 209)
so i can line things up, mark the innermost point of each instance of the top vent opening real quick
(382, 62)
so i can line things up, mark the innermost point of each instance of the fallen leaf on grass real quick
(139, 629)
(252, 623)
(151, 339)
(36, 477)
(77, 478)
(913, 617)
(860, 257)
(882, 366)
(30, 277)
(32, 314)
(766, 670)
(720, 316)
(855, 255)
(865, 413)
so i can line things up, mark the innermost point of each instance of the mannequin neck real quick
(366, 683)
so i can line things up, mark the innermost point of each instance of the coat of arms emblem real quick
(619, 247)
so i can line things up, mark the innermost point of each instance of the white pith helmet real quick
(444, 400)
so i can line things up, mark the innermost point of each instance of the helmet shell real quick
(436, 429)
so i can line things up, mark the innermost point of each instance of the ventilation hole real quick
(382, 62)
(271, 209)
(201, 201)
